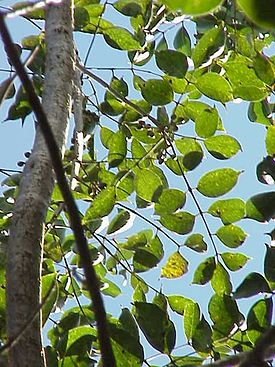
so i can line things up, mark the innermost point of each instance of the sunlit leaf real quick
(246, 84)
(175, 266)
(206, 123)
(102, 205)
(218, 182)
(121, 39)
(193, 8)
(80, 339)
(196, 242)
(234, 261)
(178, 303)
(229, 210)
(231, 235)
(207, 45)
(222, 146)
(259, 319)
(191, 318)
(180, 222)
(169, 201)
(117, 149)
(264, 68)
(157, 92)
(148, 185)
(270, 140)
(220, 280)
(49, 289)
(215, 86)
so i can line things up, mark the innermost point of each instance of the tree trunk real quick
(26, 232)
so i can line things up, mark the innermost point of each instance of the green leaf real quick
(218, 182)
(260, 13)
(254, 283)
(185, 362)
(269, 261)
(148, 256)
(193, 8)
(138, 240)
(7, 90)
(259, 319)
(169, 201)
(207, 122)
(204, 271)
(171, 62)
(110, 288)
(207, 45)
(260, 207)
(148, 185)
(178, 303)
(106, 136)
(121, 39)
(80, 339)
(264, 68)
(49, 288)
(234, 261)
(260, 112)
(126, 346)
(222, 146)
(224, 313)
(229, 210)
(180, 222)
(215, 86)
(246, 84)
(202, 337)
(270, 140)
(191, 151)
(156, 326)
(182, 41)
(157, 92)
(20, 108)
(195, 242)
(101, 206)
(232, 236)
(119, 221)
(175, 267)
(131, 115)
(117, 149)
(220, 280)
(191, 318)
(130, 8)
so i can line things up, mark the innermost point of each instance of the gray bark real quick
(26, 232)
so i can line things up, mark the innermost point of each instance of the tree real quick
(133, 160)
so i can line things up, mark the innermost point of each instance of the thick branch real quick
(54, 151)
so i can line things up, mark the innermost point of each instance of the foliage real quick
(137, 170)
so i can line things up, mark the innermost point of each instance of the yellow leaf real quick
(175, 267)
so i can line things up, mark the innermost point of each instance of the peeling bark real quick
(24, 248)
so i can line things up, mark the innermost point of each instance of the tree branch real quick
(75, 222)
